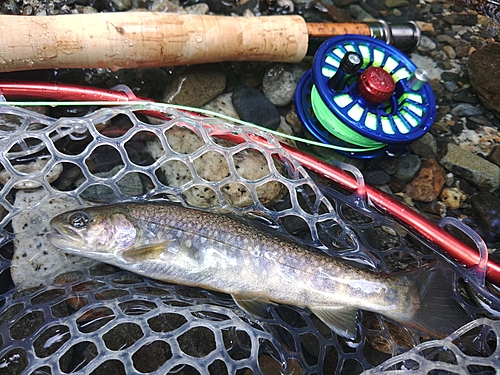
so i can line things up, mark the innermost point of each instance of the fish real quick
(186, 246)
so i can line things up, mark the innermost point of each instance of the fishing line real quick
(143, 105)
(334, 126)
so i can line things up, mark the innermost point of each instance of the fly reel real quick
(365, 97)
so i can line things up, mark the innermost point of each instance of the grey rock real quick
(408, 168)
(426, 44)
(450, 86)
(486, 207)
(359, 14)
(470, 166)
(448, 40)
(253, 106)
(130, 185)
(377, 178)
(425, 147)
(466, 109)
(490, 31)
(122, 4)
(280, 82)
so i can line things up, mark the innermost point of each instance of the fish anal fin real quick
(254, 306)
(341, 320)
(139, 254)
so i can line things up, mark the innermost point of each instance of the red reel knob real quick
(375, 85)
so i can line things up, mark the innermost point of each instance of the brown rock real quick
(196, 85)
(428, 183)
(484, 65)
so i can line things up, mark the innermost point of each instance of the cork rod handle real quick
(146, 39)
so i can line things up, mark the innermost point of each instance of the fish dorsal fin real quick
(140, 254)
(341, 320)
(253, 305)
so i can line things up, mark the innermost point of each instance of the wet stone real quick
(465, 19)
(377, 178)
(466, 109)
(425, 147)
(452, 197)
(253, 106)
(426, 44)
(428, 183)
(486, 207)
(494, 155)
(407, 168)
(470, 166)
(484, 65)
(196, 85)
(280, 82)
(465, 96)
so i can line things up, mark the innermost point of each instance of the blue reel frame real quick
(397, 122)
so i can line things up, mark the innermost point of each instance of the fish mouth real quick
(65, 239)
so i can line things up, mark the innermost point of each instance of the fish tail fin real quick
(439, 314)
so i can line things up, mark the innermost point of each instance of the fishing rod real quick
(411, 219)
(149, 39)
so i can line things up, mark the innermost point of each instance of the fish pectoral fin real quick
(341, 320)
(143, 253)
(252, 305)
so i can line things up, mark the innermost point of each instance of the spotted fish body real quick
(196, 248)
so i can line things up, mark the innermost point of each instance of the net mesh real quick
(63, 314)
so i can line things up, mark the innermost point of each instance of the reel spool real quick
(364, 97)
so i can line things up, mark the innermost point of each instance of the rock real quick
(212, 166)
(253, 106)
(494, 155)
(407, 168)
(427, 185)
(280, 82)
(444, 38)
(465, 96)
(466, 19)
(32, 168)
(425, 147)
(484, 65)
(471, 167)
(200, 8)
(452, 197)
(396, 3)
(466, 109)
(359, 14)
(479, 140)
(377, 178)
(490, 31)
(486, 207)
(36, 261)
(450, 51)
(130, 185)
(426, 44)
(222, 104)
(196, 85)
(428, 64)
(121, 5)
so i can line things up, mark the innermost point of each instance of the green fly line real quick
(138, 105)
(335, 127)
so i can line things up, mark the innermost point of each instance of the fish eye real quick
(78, 220)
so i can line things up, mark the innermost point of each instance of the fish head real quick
(101, 233)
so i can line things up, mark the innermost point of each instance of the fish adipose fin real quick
(439, 314)
(143, 253)
(256, 307)
(340, 320)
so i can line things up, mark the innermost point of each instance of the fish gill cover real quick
(64, 314)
